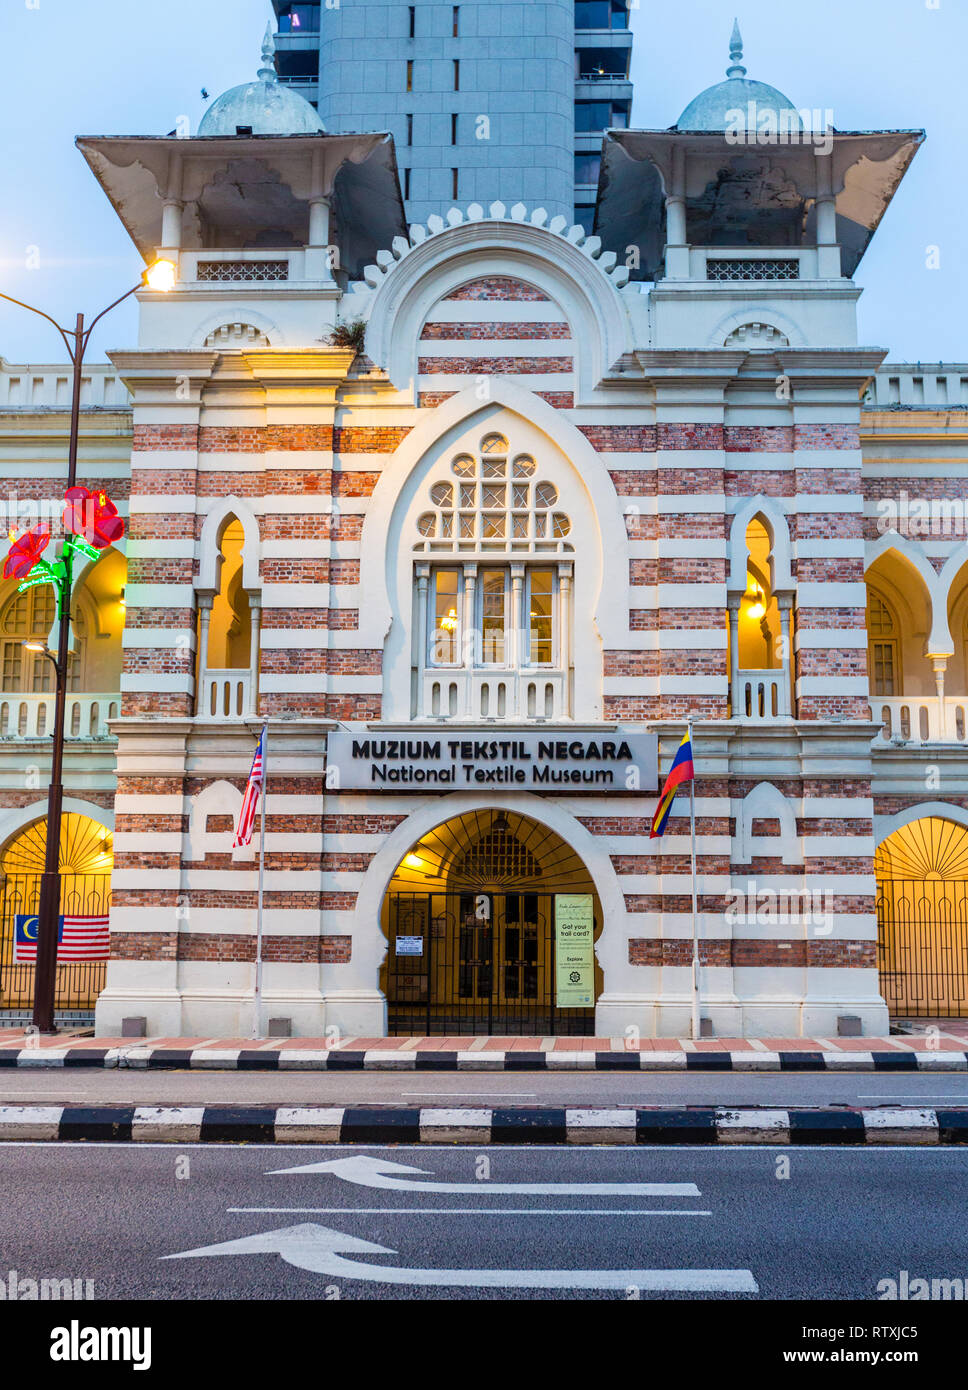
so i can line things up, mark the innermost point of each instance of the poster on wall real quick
(574, 951)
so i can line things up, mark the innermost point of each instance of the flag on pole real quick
(250, 801)
(78, 938)
(682, 770)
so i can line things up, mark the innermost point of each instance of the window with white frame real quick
(491, 593)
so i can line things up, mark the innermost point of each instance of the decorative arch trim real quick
(937, 586)
(218, 798)
(767, 802)
(885, 826)
(209, 544)
(779, 527)
(442, 263)
(770, 317)
(18, 818)
(369, 943)
(223, 319)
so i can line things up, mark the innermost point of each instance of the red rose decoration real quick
(25, 552)
(93, 516)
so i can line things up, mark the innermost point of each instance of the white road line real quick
(458, 1211)
(366, 1171)
(470, 1095)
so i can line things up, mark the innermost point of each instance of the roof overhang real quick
(637, 173)
(248, 180)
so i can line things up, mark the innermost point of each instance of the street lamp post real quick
(159, 276)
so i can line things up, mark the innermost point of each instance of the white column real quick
(677, 250)
(736, 704)
(470, 637)
(205, 616)
(318, 265)
(828, 252)
(940, 664)
(783, 703)
(419, 659)
(254, 634)
(518, 640)
(565, 573)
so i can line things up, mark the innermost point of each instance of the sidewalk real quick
(944, 1047)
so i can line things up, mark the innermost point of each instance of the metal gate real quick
(78, 982)
(475, 963)
(922, 946)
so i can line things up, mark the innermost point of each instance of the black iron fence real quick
(85, 901)
(922, 946)
(475, 963)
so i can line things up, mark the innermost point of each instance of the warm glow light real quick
(449, 624)
(161, 276)
(757, 608)
(35, 647)
(413, 861)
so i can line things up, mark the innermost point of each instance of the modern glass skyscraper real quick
(486, 99)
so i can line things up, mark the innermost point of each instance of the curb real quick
(538, 1124)
(293, 1059)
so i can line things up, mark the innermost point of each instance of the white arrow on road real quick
(365, 1171)
(321, 1251)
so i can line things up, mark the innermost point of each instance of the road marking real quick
(366, 1171)
(459, 1211)
(505, 1095)
(321, 1251)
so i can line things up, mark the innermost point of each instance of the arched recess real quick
(902, 585)
(210, 560)
(778, 527)
(369, 942)
(223, 800)
(767, 802)
(229, 611)
(601, 544)
(770, 317)
(921, 868)
(954, 579)
(477, 250)
(936, 634)
(246, 317)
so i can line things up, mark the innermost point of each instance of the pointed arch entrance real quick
(922, 919)
(470, 918)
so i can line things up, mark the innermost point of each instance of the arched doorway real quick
(922, 919)
(86, 860)
(490, 920)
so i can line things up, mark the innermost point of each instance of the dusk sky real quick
(95, 67)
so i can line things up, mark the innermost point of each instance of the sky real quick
(112, 67)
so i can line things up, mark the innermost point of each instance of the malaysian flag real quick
(78, 938)
(253, 790)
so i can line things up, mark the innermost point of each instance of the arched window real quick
(883, 646)
(504, 520)
(229, 629)
(29, 617)
(759, 613)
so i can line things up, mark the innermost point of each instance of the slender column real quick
(734, 692)
(677, 250)
(783, 704)
(318, 266)
(828, 252)
(470, 636)
(565, 573)
(940, 664)
(205, 602)
(519, 654)
(419, 662)
(255, 614)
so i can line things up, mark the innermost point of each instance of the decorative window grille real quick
(721, 268)
(493, 501)
(498, 857)
(209, 271)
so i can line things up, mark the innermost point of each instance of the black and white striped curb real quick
(400, 1059)
(393, 1124)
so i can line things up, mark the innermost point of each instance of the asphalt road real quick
(456, 1088)
(733, 1226)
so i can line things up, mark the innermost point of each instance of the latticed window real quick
(498, 857)
(883, 646)
(494, 501)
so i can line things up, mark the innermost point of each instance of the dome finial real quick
(268, 70)
(736, 68)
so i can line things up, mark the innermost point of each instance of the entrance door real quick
(474, 963)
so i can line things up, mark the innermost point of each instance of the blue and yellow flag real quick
(682, 770)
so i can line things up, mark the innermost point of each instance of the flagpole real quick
(257, 1001)
(695, 905)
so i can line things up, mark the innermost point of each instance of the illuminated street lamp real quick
(27, 565)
